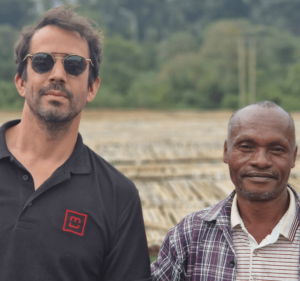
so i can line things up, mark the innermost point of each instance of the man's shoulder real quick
(196, 221)
(187, 235)
(211, 213)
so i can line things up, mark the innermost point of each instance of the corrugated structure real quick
(176, 163)
(174, 158)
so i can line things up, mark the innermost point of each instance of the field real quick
(174, 158)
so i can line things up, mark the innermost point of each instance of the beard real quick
(258, 195)
(53, 118)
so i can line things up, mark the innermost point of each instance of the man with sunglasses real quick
(65, 213)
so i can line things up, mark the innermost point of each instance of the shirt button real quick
(30, 204)
(254, 278)
(25, 177)
(232, 263)
(255, 252)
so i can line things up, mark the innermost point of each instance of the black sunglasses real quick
(44, 62)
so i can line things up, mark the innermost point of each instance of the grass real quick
(153, 258)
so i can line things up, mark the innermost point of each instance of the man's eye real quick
(278, 149)
(244, 146)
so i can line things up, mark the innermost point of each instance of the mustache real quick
(55, 87)
(255, 173)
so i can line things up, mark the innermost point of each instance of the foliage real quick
(107, 98)
(122, 62)
(8, 37)
(176, 44)
(149, 90)
(17, 12)
(153, 258)
(9, 96)
(174, 53)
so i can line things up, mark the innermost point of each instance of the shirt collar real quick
(78, 163)
(289, 226)
(4, 152)
(291, 222)
(235, 218)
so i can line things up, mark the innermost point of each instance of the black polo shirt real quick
(83, 223)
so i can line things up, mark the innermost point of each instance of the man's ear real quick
(225, 158)
(93, 89)
(20, 85)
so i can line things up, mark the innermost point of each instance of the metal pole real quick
(242, 72)
(252, 70)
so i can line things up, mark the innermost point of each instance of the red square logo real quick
(74, 222)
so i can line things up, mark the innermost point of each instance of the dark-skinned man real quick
(254, 233)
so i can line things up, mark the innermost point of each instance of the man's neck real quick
(40, 153)
(260, 217)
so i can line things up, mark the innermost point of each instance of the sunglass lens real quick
(42, 62)
(75, 65)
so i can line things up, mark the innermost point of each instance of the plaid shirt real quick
(200, 247)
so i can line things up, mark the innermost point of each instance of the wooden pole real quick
(242, 72)
(252, 70)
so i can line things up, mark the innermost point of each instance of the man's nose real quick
(261, 158)
(58, 73)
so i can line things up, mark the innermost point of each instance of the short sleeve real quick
(128, 257)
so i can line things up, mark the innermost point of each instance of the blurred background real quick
(173, 71)
(178, 54)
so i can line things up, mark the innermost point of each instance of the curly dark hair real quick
(65, 18)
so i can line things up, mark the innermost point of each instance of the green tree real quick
(17, 13)
(176, 44)
(149, 90)
(122, 62)
(9, 96)
(8, 37)
(282, 14)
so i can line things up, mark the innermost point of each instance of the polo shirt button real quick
(25, 177)
(30, 204)
(232, 263)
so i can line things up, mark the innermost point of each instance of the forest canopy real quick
(174, 54)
